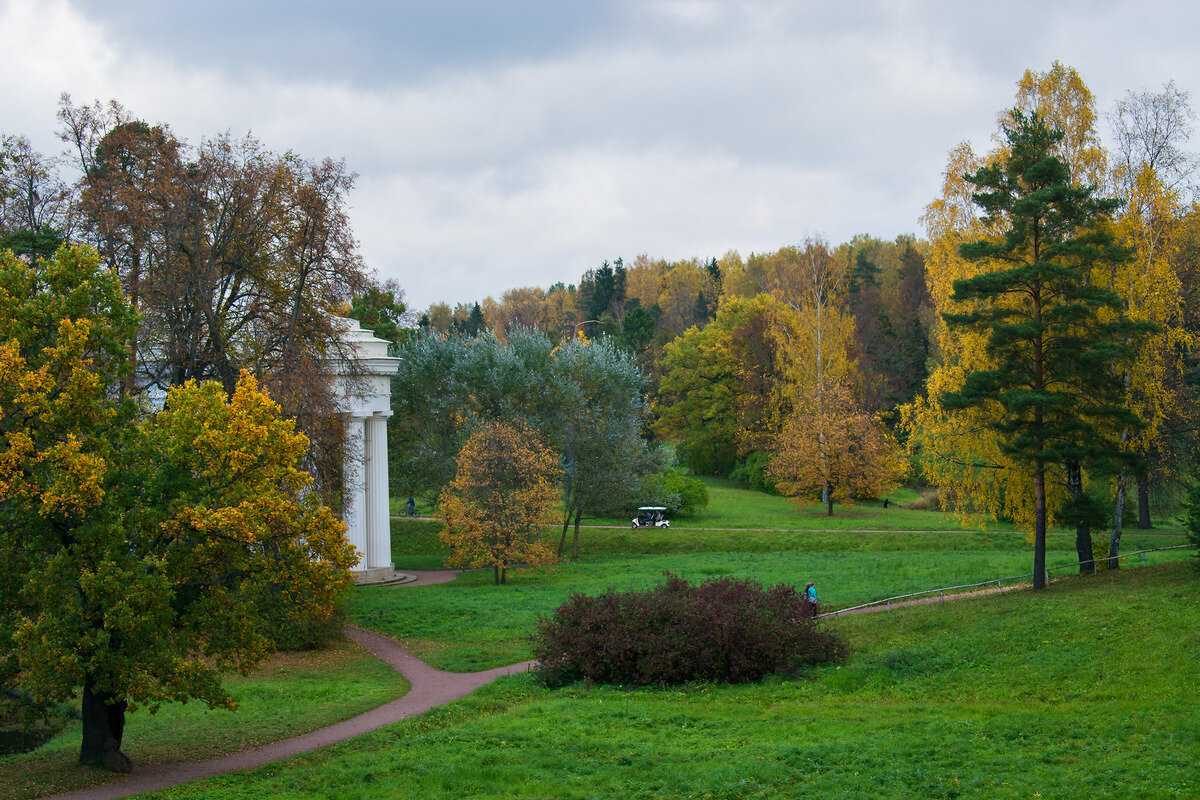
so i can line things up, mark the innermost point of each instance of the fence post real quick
(999, 585)
(1143, 559)
(943, 597)
(889, 605)
(1047, 576)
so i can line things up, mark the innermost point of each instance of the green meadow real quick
(292, 694)
(1085, 690)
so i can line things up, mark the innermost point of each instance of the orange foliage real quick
(831, 443)
(504, 495)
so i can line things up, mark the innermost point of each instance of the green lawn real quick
(470, 624)
(294, 693)
(731, 506)
(1086, 690)
(991, 697)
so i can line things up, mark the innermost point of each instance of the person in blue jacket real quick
(810, 597)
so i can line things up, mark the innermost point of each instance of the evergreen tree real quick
(714, 274)
(911, 329)
(862, 274)
(620, 276)
(475, 323)
(598, 289)
(1054, 340)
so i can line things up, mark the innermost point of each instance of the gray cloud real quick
(521, 143)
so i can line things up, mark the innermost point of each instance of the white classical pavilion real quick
(364, 396)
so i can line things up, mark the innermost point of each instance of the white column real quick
(379, 528)
(354, 491)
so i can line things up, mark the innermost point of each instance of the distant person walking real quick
(810, 597)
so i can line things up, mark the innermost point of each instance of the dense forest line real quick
(740, 348)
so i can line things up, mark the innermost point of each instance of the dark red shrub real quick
(724, 630)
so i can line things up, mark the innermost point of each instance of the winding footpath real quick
(430, 688)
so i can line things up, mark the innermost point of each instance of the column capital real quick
(382, 414)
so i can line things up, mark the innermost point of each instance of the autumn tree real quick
(1151, 172)
(235, 257)
(502, 498)
(381, 310)
(35, 204)
(957, 448)
(723, 392)
(1052, 394)
(136, 553)
(445, 383)
(584, 398)
(832, 450)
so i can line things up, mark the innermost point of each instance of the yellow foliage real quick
(504, 494)
(1062, 99)
(957, 450)
(830, 443)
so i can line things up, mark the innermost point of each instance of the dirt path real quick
(427, 577)
(920, 601)
(430, 688)
(1134, 532)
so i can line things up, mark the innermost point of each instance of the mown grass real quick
(731, 506)
(292, 694)
(1086, 690)
(470, 624)
(901, 714)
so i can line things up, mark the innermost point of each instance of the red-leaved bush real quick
(724, 630)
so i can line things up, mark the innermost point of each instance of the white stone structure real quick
(364, 395)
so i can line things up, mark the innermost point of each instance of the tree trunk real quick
(827, 496)
(1039, 527)
(562, 542)
(575, 541)
(103, 727)
(1083, 529)
(1114, 543)
(1143, 484)
(496, 573)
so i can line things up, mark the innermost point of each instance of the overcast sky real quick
(501, 144)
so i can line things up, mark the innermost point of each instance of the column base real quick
(376, 575)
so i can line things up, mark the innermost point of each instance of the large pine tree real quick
(1053, 338)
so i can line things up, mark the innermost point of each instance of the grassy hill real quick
(1086, 690)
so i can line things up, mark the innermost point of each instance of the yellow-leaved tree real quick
(140, 555)
(504, 495)
(1149, 171)
(831, 449)
(828, 443)
(957, 449)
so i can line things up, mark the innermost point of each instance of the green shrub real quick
(693, 494)
(1191, 519)
(1100, 553)
(675, 491)
(751, 472)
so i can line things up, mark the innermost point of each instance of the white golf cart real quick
(651, 517)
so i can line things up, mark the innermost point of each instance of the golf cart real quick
(651, 517)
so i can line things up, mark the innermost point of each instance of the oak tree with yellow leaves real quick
(504, 495)
(136, 549)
